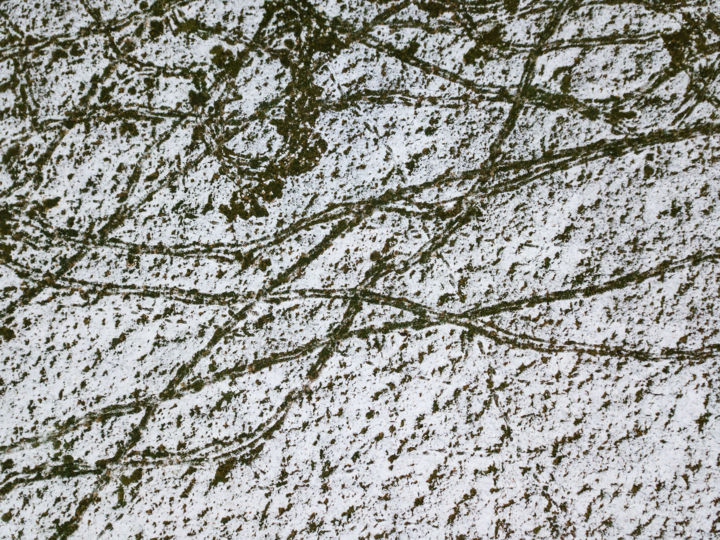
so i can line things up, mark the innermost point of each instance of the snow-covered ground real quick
(361, 269)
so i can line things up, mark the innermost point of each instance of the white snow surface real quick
(359, 269)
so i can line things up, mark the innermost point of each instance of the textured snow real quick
(359, 269)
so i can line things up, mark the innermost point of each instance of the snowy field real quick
(359, 269)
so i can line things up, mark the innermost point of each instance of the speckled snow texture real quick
(360, 269)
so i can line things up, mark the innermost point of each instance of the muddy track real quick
(290, 246)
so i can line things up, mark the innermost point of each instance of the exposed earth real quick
(359, 269)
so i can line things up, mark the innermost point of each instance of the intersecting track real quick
(259, 186)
